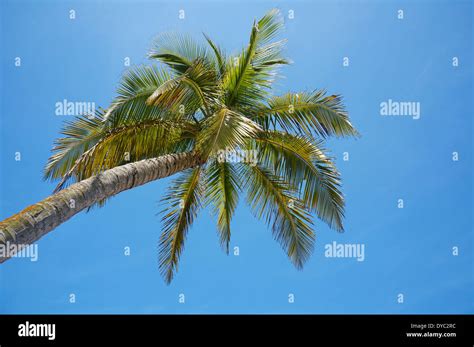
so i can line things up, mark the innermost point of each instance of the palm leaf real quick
(271, 197)
(134, 142)
(195, 89)
(80, 135)
(130, 142)
(303, 163)
(135, 88)
(182, 204)
(223, 185)
(219, 55)
(308, 114)
(249, 75)
(178, 51)
(224, 129)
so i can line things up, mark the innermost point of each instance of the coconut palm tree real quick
(178, 117)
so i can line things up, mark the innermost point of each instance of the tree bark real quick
(35, 221)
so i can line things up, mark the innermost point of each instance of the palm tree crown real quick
(202, 101)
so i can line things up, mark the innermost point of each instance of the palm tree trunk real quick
(37, 220)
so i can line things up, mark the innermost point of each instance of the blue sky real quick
(408, 251)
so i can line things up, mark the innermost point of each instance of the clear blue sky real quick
(407, 250)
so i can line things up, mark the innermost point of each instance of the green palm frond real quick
(224, 129)
(268, 53)
(80, 135)
(249, 75)
(303, 163)
(269, 57)
(307, 114)
(195, 89)
(269, 26)
(134, 142)
(275, 199)
(222, 191)
(130, 142)
(219, 55)
(135, 88)
(182, 204)
(178, 51)
(176, 97)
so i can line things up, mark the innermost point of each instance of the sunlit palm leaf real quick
(182, 203)
(308, 114)
(134, 142)
(195, 89)
(249, 75)
(271, 197)
(178, 51)
(131, 141)
(219, 55)
(224, 129)
(80, 135)
(303, 163)
(222, 190)
(135, 87)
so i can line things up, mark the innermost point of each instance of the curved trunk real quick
(36, 220)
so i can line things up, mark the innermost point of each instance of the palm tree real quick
(178, 117)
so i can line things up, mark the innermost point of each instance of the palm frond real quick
(308, 114)
(224, 129)
(275, 199)
(178, 51)
(195, 89)
(134, 142)
(222, 191)
(80, 135)
(134, 89)
(182, 203)
(249, 75)
(303, 163)
(130, 142)
(219, 55)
